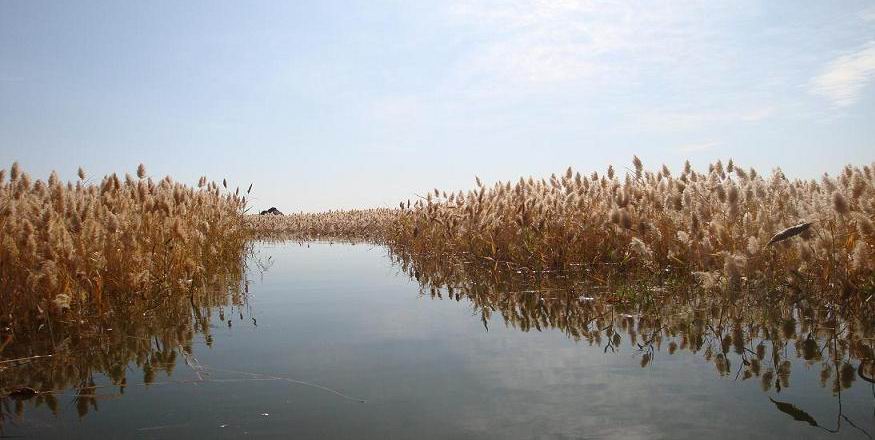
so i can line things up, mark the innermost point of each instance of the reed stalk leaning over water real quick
(79, 250)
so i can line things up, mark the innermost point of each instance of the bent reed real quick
(728, 227)
(82, 251)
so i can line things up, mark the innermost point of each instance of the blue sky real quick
(350, 104)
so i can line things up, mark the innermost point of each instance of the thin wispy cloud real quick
(556, 42)
(845, 79)
(675, 59)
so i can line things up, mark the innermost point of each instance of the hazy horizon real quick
(328, 105)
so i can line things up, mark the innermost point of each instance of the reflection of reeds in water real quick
(96, 275)
(745, 334)
(77, 354)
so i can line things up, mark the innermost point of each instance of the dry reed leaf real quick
(792, 231)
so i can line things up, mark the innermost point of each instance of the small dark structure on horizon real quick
(272, 211)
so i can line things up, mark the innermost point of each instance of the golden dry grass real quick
(96, 276)
(84, 250)
(729, 226)
(716, 225)
(348, 225)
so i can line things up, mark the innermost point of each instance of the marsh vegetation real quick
(763, 277)
(729, 227)
(81, 250)
(96, 275)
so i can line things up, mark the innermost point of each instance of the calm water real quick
(345, 318)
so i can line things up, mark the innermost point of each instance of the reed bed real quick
(347, 225)
(95, 276)
(79, 251)
(729, 227)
